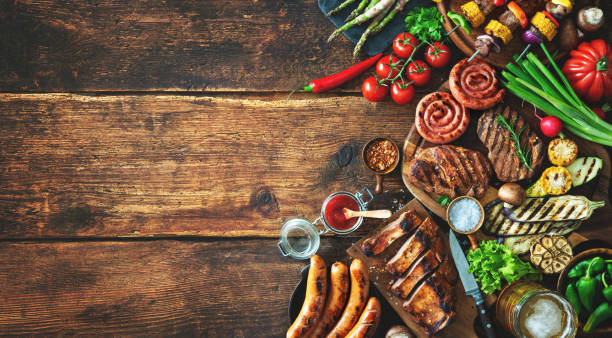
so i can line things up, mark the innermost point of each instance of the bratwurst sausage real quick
(440, 118)
(316, 289)
(338, 292)
(367, 323)
(360, 288)
(474, 84)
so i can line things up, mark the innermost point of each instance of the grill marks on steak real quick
(508, 167)
(450, 171)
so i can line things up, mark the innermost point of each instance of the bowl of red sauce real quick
(332, 211)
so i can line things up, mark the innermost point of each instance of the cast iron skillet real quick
(388, 319)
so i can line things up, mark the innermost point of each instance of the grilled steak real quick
(426, 264)
(425, 237)
(502, 153)
(431, 305)
(405, 223)
(450, 171)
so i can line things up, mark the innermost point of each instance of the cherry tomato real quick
(372, 90)
(437, 55)
(401, 92)
(388, 64)
(499, 2)
(551, 126)
(404, 44)
(418, 72)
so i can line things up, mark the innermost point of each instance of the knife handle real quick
(484, 319)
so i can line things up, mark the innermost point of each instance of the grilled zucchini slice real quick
(562, 152)
(536, 189)
(584, 169)
(556, 180)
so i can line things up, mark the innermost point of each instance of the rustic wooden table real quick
(148, 159)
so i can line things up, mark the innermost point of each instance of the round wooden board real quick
(595, 190)
(465, 41)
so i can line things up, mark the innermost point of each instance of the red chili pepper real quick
(333, 81)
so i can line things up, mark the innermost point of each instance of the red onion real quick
(529, 37)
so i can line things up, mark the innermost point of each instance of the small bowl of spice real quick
(381, 156)
(465, 215)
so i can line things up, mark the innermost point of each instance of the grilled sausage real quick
(338, 292)
(367, 323)
(360, 287)
(474, 84)
(440, 118)
(316, 288)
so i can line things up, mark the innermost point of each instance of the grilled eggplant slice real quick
(521, 244)
(584, 169)
(549, 209)
(496, 224)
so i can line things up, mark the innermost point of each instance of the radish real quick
(550, 126)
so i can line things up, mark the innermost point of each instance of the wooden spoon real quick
(368, 213)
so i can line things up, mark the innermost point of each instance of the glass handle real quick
(361, 194)
(320, 220)
(280, 247)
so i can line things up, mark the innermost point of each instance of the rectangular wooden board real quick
(462, 325)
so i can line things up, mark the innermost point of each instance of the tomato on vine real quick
(404, 44)
(402, 92)
(438, 55)
(388, 67)
(418, 72)
(373, 89)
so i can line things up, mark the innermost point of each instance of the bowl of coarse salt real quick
(465, 215)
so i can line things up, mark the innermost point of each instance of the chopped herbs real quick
(443, 201)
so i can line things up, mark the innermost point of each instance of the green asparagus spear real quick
(382, 6)
(339, 8)
(357, 10)
(367, 32)
(399, 6)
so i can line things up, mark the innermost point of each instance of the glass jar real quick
(300, 238)
(524, 307)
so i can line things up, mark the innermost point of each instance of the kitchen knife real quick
(469, 283)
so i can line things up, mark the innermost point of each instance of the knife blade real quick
(469, 283)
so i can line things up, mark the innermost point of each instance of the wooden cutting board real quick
(463, 322)
(595, 190)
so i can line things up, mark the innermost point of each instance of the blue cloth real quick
(376, 43)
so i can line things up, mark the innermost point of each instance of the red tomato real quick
(438, 55)
(587, 70)
(372, 90)
(388, 64)
(600, 112)
(401, 92)
(418, 72)
(404, 44)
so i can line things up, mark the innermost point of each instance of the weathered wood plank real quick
(210, 289)
(166, 45)
(73, 165)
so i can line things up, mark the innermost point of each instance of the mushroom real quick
(399, 331)
(590, 18)
(512, 193)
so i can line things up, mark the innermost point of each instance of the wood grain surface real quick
(261, 45)
(73, 165)
(161, 288)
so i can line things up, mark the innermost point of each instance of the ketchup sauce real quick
(334, 216)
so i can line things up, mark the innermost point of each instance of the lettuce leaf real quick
(493, 263)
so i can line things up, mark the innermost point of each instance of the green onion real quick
(533, 82)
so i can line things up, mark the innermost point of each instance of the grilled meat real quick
(425, 237)
(450, 171)
(404, 224)
(431, 305)
(423, 266)
(502, 153)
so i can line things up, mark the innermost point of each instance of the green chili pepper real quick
(609, 268)
(459, 21)
(607, 290)
(572, 296)
(579, 269)
(602, 313)
(587, 288)
(598, 265)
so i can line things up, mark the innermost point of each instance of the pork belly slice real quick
(425, 237)
(404, 224)
(423, 266)
(432, 304)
